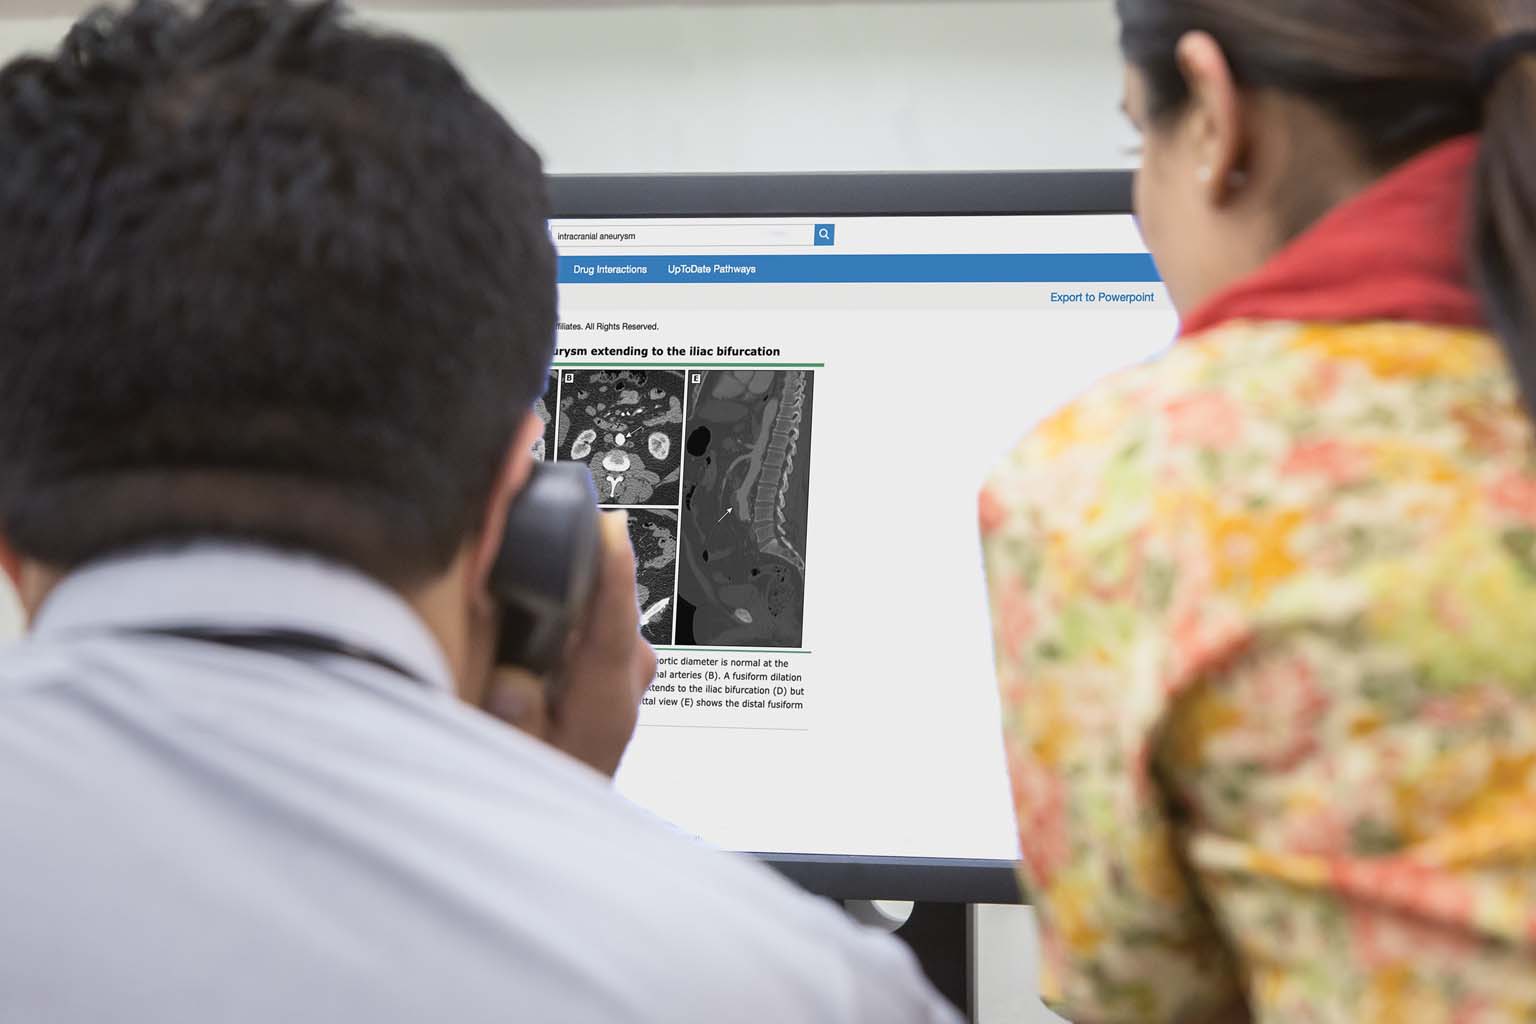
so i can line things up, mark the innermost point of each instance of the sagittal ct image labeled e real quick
(745, 508)
(627, 426)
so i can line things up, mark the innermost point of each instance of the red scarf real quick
(1397, 251)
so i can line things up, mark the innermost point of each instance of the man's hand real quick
(608, 667)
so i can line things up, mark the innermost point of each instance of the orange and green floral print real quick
(1265, 626)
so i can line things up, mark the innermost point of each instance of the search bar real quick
(694, 236)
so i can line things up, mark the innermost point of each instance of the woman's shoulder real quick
(1272, 375)
(1227, 410)
(1187, 392)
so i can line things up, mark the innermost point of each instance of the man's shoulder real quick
(713, 930)
(404, 807)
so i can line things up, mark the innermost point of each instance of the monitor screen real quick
(798, 412)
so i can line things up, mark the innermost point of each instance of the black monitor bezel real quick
(1025, 193)
(1033, 193)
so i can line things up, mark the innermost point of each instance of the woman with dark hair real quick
(1265, 610)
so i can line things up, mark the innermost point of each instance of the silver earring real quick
(1204, 174)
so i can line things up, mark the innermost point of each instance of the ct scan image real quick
(743, 528)
(627, 426)
(654, 535)
(544, 408)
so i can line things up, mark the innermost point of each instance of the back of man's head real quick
(263, 275)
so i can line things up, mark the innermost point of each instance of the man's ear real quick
(31, 581)
(516, 467)
(10, 562)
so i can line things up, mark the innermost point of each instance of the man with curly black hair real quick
(277, 296)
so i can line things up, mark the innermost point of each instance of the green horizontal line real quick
(736, 650)
(693, 366)
(722, 728)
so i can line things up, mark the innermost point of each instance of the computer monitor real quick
(797, 385)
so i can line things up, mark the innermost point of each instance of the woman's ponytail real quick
(1504, 225)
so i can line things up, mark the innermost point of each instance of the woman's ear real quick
(1217, 116)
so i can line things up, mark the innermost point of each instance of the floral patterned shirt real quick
(1265, 626)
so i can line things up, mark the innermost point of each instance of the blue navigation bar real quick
(1004, 268)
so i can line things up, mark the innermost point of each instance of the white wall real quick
(950, 85)
(888, 86)
(947, 85)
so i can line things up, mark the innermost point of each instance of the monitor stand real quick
(942, 936)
